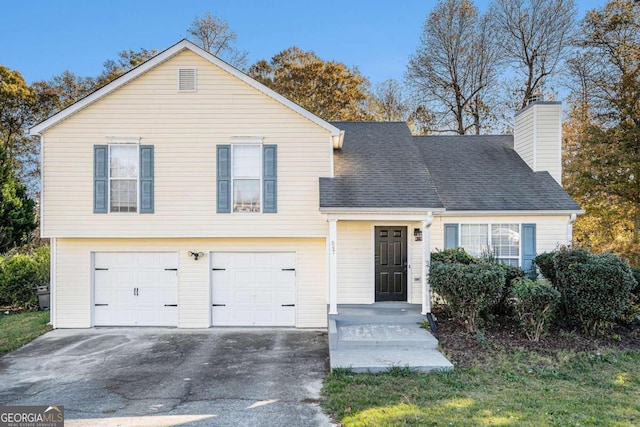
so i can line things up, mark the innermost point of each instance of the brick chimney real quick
(537, 136)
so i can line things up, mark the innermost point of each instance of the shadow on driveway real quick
(167, 377)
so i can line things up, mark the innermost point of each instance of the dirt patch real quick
(505, 335)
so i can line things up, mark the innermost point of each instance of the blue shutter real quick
(100, 178)
(450, 236)
(146, 179)
(223, 168)
(528, 243)
(270, 178)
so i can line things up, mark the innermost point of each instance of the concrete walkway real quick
(374, 338)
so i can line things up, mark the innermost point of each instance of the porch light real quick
(417, 234)
(195, 255)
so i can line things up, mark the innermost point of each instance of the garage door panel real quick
(253, 288)
(113, 317)
(265, 297)
(263, 278)
(136, 288)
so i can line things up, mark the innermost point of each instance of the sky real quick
(43, 38)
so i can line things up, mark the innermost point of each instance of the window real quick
(474, 238)
(123, 178)
(503, 240)
(246, 177)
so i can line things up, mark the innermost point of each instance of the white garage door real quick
(253, 288)
(136, 289)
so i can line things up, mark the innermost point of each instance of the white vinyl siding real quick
(74, 295)
(537, 138)
(185, 129)
(355, 262)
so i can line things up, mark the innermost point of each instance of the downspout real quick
(426, 258)
(53, 312)
(572, 220)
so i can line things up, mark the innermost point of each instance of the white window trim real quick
(123, 140)
(109, 179)
(489, 236)
(246, 141)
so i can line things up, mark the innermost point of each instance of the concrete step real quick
(381, 360)
(380, 312)
(370, 335)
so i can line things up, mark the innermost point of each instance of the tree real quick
(328, 89)
(603, 152)
(390, 102)
(454, 66)
(213, 34)
(420, 121)
(16, 103)
(70, 88)
(21, 106)
(535, 36)
(127, 59)
(17, 210)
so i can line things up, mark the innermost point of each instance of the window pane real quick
(505, 239)
(123, 161)
(246, 195)
(246, 161)
(124, 195)
(474, 238)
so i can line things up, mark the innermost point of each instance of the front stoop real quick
(370, 343)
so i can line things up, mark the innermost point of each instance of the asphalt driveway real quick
(168, 377)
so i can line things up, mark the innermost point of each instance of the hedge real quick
(468, 289)
(20, 274)
(534, 302)
(595, 288)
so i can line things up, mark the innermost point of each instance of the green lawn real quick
(17, 329)
(524, 388)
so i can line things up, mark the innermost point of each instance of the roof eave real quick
(544, 212)
(374, 210)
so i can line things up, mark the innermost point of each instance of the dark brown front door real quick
(391, 263)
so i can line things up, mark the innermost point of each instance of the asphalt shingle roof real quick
(485, 173)
(378, 167)
(381, 165)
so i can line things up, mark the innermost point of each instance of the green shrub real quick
(17, 286)
(502, 307)
(595, 289)
(534, 302)
(457, 255)
(20, 274)
(544, 261)
(467, 288)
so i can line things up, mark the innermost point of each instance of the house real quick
(187, 194)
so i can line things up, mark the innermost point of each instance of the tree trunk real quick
(636, 228)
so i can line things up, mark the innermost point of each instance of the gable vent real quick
(186, 79)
